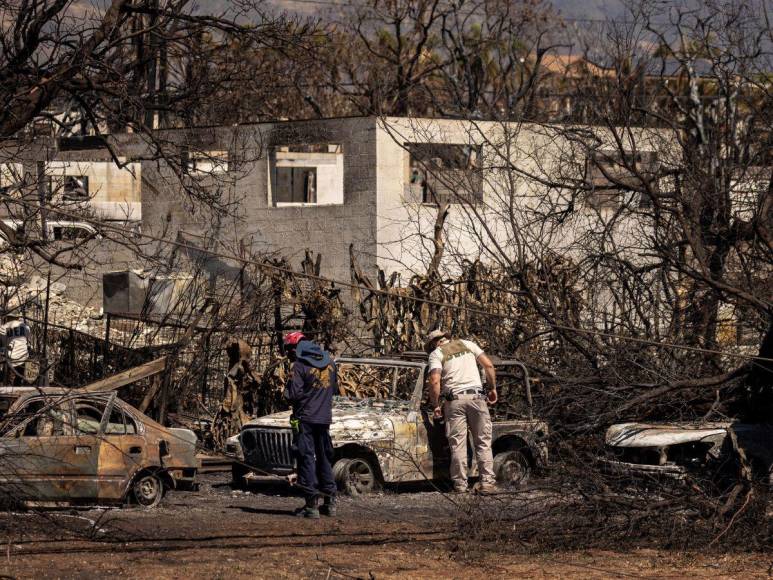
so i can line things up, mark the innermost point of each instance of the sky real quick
(589, 9)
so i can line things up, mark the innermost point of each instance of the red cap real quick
(293, 338)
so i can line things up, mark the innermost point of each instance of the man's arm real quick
(434, 391)
(434, 388)
(294, 387)
(491, 377)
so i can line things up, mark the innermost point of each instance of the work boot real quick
(329, 507)
(482, 488)
(461, 489)
(309, 510)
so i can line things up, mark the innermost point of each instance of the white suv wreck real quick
(678, 450)
(383, 431)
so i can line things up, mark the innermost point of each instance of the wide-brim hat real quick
(312, 354)
(432, 337)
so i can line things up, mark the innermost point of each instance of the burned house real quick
(367, 185)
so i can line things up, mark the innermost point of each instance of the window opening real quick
(70, 233)
(88, 416)
(446, 173)
(120, 423)
(205, 162)
(307, 174)
(43, 419)
(611, 173)
(75, 187)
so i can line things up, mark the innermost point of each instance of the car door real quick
(123, 451)
(43, 455)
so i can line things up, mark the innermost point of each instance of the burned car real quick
(383, 430)
(677, 450)
(60, 445)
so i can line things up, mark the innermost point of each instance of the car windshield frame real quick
(396, 364)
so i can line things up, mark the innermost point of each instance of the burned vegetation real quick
(599, 222)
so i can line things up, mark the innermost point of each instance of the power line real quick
(387, 293)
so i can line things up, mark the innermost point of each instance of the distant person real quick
(14, 337)
(454, 381)
(310, 391)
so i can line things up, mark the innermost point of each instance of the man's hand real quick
(438, 413)
(492, 397)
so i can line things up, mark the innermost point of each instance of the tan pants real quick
(472, 414)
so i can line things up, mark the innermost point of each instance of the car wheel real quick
(356, 476)
(147, 490)
(238, 473)
(511, 468)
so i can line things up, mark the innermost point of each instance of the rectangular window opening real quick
(307, 174)
(75, 187)
(201, 163)
(445, 173)
(610, 174)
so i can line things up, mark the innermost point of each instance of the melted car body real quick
(678, 450)
(385, 433)
(66, 445)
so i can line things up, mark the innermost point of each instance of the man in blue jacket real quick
(310, 392)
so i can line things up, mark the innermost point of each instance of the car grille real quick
(267, 448)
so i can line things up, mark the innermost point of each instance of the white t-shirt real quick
(457, 361)
(14, 338)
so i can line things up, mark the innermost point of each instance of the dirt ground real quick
(222, 533)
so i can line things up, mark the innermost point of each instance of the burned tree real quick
(648, 229)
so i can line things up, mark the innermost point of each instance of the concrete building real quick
(373, 184)
(515, 191)
(368, 183)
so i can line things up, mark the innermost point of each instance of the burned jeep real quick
(674, 451)
(383, 430)
(60, 445)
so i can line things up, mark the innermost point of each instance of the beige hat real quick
(432, 337)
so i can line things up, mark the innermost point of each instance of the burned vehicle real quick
(383, 430)
(61, 445)
(678, 450)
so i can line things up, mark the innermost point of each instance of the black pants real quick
(315, 458)
(14, 375)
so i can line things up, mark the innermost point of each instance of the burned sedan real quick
(676, 450)
(59, 445)
(383, 432)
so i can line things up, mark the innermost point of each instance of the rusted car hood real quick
(351, 421)
(662, 435)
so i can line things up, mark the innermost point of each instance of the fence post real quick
(43, 376)
(205, 374)
(71, 358)
(106, 355)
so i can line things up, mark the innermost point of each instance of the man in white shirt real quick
(454, 378)
(14, 335)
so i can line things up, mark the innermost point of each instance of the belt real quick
(466, 394)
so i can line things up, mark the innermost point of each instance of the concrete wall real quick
(510, 219)
(115, 195)
(382, 216)
(114, 191)
(328, 229)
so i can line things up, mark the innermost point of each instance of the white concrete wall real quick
(114, 191)
(512, 200)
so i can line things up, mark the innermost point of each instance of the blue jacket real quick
(310, 392)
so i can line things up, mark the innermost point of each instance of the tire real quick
(512, 469)
(147, 490)
(238, 473)
(356, 476)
